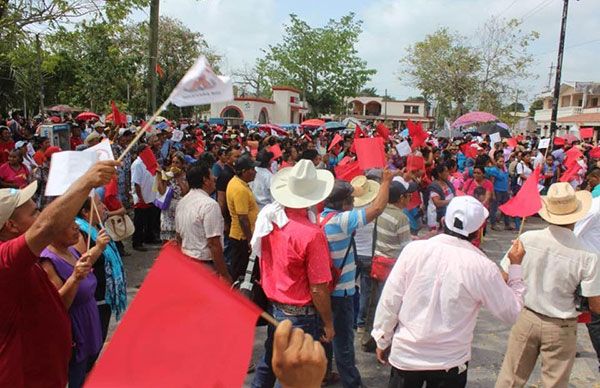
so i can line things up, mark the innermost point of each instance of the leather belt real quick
(289, 309)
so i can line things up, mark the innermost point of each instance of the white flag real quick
(495, 138)
(544, 143)
(200, 85)
(65, 168)
(403, 148)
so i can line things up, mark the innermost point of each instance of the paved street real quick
(488, 346)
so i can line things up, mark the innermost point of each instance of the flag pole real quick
(91, 219)
(144, 129)
(97, 214)
(269, 318)
(522, 226)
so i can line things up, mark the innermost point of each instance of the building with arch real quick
(398, 112)
(284, 107)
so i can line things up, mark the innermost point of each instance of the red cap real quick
(50, 150)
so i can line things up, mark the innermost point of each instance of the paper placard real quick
(65, 168)
(103, 150)
(403, 148)
(495, 138)
(177, 135)
(544, 143)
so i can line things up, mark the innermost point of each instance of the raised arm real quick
(381, 200)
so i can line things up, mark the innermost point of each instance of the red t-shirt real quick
(39, 157)
(19, 177)
(293, 258)
(35, 329)
(5, 148)
(75, 141)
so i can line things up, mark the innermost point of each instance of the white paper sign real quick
(403, 148)
(65, 168)
(103, 150)
(200, 85)
(177, 135)
(495, 138)
(544, 143)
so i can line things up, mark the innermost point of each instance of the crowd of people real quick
(391, 253)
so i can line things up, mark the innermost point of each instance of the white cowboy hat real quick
(365, 190)
(563, 205)
(301, 186)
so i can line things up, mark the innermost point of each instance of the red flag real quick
(382, 131)
(149, 160)
(180, 330)
(595, 153)
(415, 163)
(358, 133)
(111, 189)
(512, 142)
(528, 201)
(370, 152)
(571, 173)
(276, 150)
(559, 140)
(519, 138)
(160, 71)
(468, 150)
(345, 160)
(348, 171)
(336, 139)
(572, 155)
(117, 117)
(417, 134)
(586, 133)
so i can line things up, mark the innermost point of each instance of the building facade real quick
(398, 112)
(285, 107)
(578, 105)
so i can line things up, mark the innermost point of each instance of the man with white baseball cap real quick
(429, 305)
(35, 330)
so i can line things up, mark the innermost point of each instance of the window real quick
(411, 109)
(594, 102)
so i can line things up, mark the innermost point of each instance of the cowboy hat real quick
(563, 205)
(301, 186)
(365, 190)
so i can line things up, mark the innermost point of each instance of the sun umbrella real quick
(60, 108)
(490, 128)
(55, 119)
(272, 127)
(312, 123)
(334, 125)
(472, 118)
(85, 116)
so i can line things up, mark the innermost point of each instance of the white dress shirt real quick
(429, 305)
(261, 187)
(141, 176)
(588, 228)
(555, 263)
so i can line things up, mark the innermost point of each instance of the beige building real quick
(578, 104)
(285, 107)
(376, 108)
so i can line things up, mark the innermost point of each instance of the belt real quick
(289, 309)
(548, 317)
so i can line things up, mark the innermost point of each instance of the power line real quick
(507, 8)
(535, 9)
(568, 47)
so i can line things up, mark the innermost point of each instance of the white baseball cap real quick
(10, 199)
(465, 215)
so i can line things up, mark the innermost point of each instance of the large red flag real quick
(149, 160)
(512, 142)
(336, 139)
(117, 116)
(347, 171)
(595, 153)
(417, 134)
(572, 155)
(382, 131)
(358, 133)
(571, 173)
(185, 328)
(370, 152)
(528, 201)
(276, 150)
(468, 150)
(586, 133)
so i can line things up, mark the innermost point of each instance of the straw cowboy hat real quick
(365, 190)
(301, 186)
(563, 205)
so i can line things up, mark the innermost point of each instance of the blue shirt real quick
(596, 192)
(460, 161)
(500, 178)
(166, 148)
(217, 169)
(338, 231)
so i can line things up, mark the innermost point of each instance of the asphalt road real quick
(489, 343)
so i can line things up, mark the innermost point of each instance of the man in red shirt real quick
(35, 330)
(295, 265)
(6, 144)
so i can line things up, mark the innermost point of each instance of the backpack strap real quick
(324, 221)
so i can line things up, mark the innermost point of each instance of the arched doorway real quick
(232, 115)
(263, 116)
(373, 108)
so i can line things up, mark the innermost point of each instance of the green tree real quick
(536, 105)
(321, 61)
(254, 80)
(369, 92)
(515, 107)
(443, 68)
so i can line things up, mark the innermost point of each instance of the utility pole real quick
(38, 61)
(550, 75)
(385, 106)
(561, 48)
(152, 57)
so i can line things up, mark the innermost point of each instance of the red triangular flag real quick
(586, 133)
(345, 160)
(595, 153)
(111, 189)
(358, 133)
(382, 131)
(149, 160)
(336, 139)
(276, 150)
(571, 172)
(572, 155)
(468, 150)
(180, 330)
(370, 152)
(116, 115)
(347, 171)
(512, 142)
(417, 134)
(528, 201)
(415, 163)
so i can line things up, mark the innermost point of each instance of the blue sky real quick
(238, 29)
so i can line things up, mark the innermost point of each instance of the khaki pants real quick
(535, 334)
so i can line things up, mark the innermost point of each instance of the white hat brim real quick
(282, 194)
(369, 194)
(584, 199)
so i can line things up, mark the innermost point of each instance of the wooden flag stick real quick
(522, 226)
(91, 216)
(97, 214)
(269, 318)
(144, 129)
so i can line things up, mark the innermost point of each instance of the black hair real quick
(197, 173)
(450, 163)
(86, 206)
(309, 154)
(264, 158)
(479, 191)
(438, 170)
(341, 193)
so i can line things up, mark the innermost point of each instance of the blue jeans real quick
(343, 342)
(311, 324)
(501, 198)
(363, 264)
